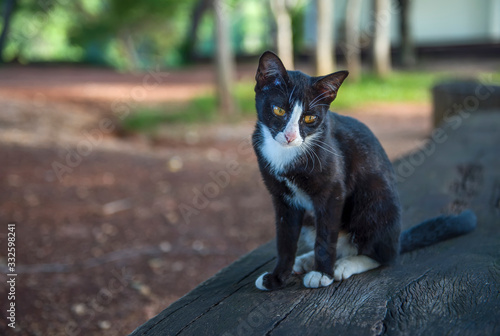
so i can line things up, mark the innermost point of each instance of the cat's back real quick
(355, 137)
(351, 128)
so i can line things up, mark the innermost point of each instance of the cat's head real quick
(291, 104)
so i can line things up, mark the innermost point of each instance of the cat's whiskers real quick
(312, 159)
(321, 105)
(317, 104)
(307, 148)
(326, 147)
(317, 99)
(305, 151)
(310, 152)
(320, 165)
(319, 160)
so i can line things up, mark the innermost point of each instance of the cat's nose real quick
(290, 137)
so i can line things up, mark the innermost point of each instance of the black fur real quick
(437, 229)
(348, 178)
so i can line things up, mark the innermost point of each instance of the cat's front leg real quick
(288, 224)
(327, 231)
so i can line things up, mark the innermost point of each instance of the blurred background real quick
(125, 129)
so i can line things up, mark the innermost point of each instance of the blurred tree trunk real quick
(224, 59)
(325, 46)
(130, 50)
(382, 39)
(8, 9)
(189, 43)
(352, 35)
(284, 38)
(407, 49)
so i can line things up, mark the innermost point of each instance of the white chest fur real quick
(278, 156)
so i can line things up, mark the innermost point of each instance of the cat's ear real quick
(327, 86)
(271, 71)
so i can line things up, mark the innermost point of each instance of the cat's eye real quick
(309, 119)
(278, 111)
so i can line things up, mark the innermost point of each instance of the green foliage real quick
(399, 87)
(200, 110)
(134, 34)
(252, 19)
(403, 87)
(297, 14)
(127, 34)
(39, 32)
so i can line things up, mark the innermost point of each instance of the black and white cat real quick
(330, 178)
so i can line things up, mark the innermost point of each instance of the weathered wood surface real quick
(451, 288)
(462, 98)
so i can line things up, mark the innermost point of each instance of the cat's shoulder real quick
(349, 124)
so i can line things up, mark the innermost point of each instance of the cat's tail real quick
(437, 229)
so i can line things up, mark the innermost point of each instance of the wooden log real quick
(450, 288)
(451, 99)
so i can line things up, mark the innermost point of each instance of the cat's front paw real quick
(259, 283)
(304, 263)
(268, 281)
(316, 279)
(346, 267)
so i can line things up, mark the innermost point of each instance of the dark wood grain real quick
(451, 288)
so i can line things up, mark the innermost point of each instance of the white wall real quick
(434, 22)
(453, 21)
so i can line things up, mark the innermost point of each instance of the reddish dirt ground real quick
(127, 226)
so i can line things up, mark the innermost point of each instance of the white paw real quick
(304, 263)
(346, 267)
(316, 279)
(259, 282)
